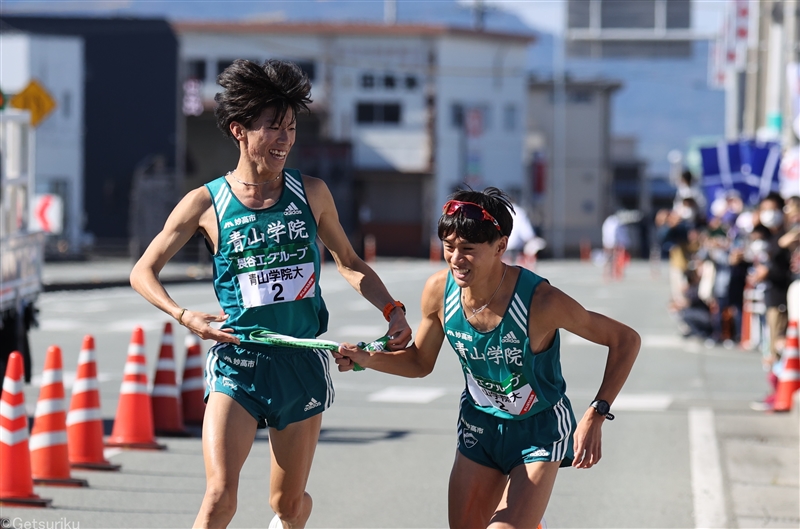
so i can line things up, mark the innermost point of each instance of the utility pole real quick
(791, 39)
(559, 147)
(390, 11)
(481, 11)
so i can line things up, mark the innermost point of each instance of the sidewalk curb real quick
(97, 285)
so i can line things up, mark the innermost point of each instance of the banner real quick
(747, 167)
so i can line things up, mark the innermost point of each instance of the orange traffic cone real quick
(789, 378)
(16, 482)
(165, 397)
(193, 385)
(133, 424)
(84, 420)
(48, 444)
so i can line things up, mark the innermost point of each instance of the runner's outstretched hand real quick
(349, 355)
(198, 323)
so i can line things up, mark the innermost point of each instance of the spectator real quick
(687, 189)
(791, 242)
(522, 233)
(692, 313)
(772, 269)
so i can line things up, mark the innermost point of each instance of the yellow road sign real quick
(35, 99)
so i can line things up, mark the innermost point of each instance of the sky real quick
(544, 15)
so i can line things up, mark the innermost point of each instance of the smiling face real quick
(266, 143)
(472, 263)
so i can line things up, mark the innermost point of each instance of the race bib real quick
(514, 395)
(275, 275)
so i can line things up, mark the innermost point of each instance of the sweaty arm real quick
(553, 310)
(416, 360)
(360, 275)
(191, 214)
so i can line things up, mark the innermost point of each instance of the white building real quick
(56, 63)
(571, 211)
(424, 108)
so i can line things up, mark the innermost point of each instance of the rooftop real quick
(347, 29)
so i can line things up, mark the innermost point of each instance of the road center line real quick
(707, 487)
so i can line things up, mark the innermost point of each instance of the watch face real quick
(601, 406)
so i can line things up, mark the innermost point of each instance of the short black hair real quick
(249, 88)
(494, 201)
(774, 197)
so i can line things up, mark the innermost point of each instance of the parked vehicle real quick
(21, 249)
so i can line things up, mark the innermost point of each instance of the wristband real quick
(387, 310)
(180, 316)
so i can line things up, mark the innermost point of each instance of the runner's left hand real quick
(588, 440)
(347, 356)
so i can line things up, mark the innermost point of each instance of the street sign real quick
(35, 99)
(48, 214)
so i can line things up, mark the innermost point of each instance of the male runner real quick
(261, 222)
(516, 425)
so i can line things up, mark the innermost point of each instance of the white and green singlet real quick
(267, 265)
(504, 377)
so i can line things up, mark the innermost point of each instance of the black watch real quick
(603, 408)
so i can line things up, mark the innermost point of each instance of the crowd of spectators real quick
(734, 271)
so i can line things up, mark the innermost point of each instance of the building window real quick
(391, 113)
(580, 96)
(308, 67)
(222, 64)
(457, 115)
(510, 117)
(375, 113)
(367, 81)
(411, 82)
(389, 81)
(365, 113)
(196, 69)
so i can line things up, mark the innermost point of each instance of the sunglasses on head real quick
(470, 210)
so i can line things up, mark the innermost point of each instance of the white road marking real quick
(667, 341)
(54, 325)
(108, 453)
(642, 402)
(707, 488)
(68, 378)
(406, 394)
(148, 324)
(362, 332)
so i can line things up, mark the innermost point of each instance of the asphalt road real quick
(685, 450)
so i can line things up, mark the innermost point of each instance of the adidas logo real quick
(313, 404)
(291, 209)
(542, 452)
(509, 338)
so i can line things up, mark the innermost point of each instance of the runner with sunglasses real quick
(516, 426)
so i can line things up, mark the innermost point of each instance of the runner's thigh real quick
(474, 493)
(527, 494)
(292, 452)
(228, 433)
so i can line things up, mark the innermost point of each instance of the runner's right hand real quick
(199, 324)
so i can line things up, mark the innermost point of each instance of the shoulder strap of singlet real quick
(452, 302)
(220, 196)
(294, 184)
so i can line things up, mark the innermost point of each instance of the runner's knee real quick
(221, 498)
(289, 507)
